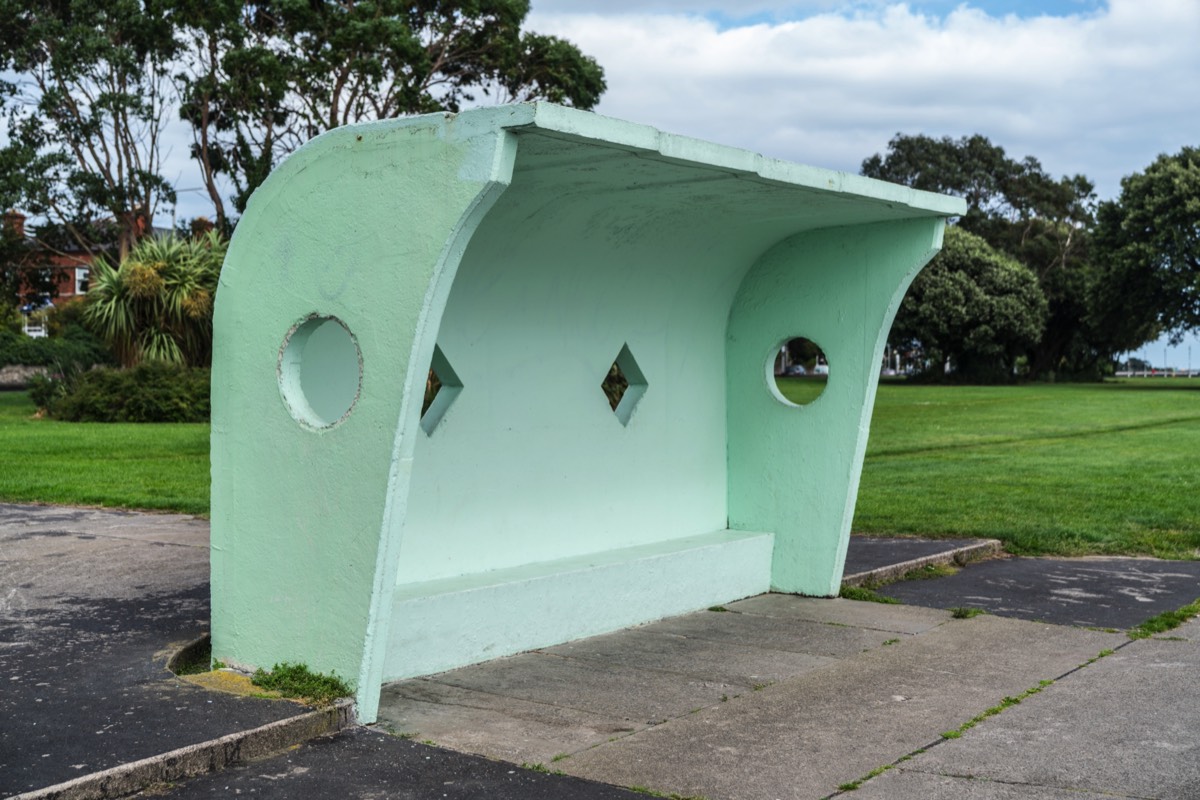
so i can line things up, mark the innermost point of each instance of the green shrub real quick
(150, 392)
(10, 318)
(76, 346)
(66, 314)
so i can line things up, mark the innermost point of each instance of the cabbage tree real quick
(157, 304)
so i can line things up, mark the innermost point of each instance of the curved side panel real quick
(337, 274)
(794, 470)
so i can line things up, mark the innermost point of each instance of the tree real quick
(84, 96)
(1148, 254)
(973, 307)
(267, 76)
(157, 304)
(1020, 210)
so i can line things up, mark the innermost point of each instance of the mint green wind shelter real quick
(510, 256)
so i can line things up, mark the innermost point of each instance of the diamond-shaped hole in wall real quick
(624, 385)
(441, 389)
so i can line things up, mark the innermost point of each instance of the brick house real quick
(70, 265)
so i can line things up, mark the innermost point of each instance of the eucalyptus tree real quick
(84, 94)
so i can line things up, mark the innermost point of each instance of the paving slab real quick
(779, 633)
(362, 764)
(519, 731)
(1126, 725)
(804, 736)
(1094, 591)
(1188, 630)
(779, 697)
(902, 784)
(702, 659)
(839, 611)
(644, 697)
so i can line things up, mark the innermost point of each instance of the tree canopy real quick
(266, 76)
(973, 308)
(1022, 211)
(1147, 278)
(87, 85)
(83, 100)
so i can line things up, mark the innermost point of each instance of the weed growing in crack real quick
(1166, 621)
(966, 613)
(298, 681)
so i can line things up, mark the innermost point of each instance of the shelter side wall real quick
(354, 226)
(794, 470)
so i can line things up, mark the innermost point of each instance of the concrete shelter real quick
(519, 252)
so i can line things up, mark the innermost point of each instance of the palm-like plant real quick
(157, 304)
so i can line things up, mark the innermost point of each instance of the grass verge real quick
(158, 466)
(1166, 621)
(866, 593)
(1066, 470)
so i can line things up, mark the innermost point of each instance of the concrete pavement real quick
(774, 697)
(1126, 726)
(876, 686)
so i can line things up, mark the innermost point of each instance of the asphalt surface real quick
(91, 606)
(369, 764)
(1088, 592)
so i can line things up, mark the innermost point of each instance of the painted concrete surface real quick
(520, 251)
(1126, 726)
(795, 470)
(1098, 591)
(803, 702)
(438, 625)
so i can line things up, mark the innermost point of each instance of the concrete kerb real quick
(199, 759)
(985, 548)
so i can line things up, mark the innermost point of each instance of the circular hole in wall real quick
(320, 371)
(799, 370)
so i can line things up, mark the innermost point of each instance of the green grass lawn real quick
(163, 466)
(1064, 469)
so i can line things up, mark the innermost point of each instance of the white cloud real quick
(1099, 93)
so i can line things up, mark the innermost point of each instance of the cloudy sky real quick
(1086, 86)
(1098, 87)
